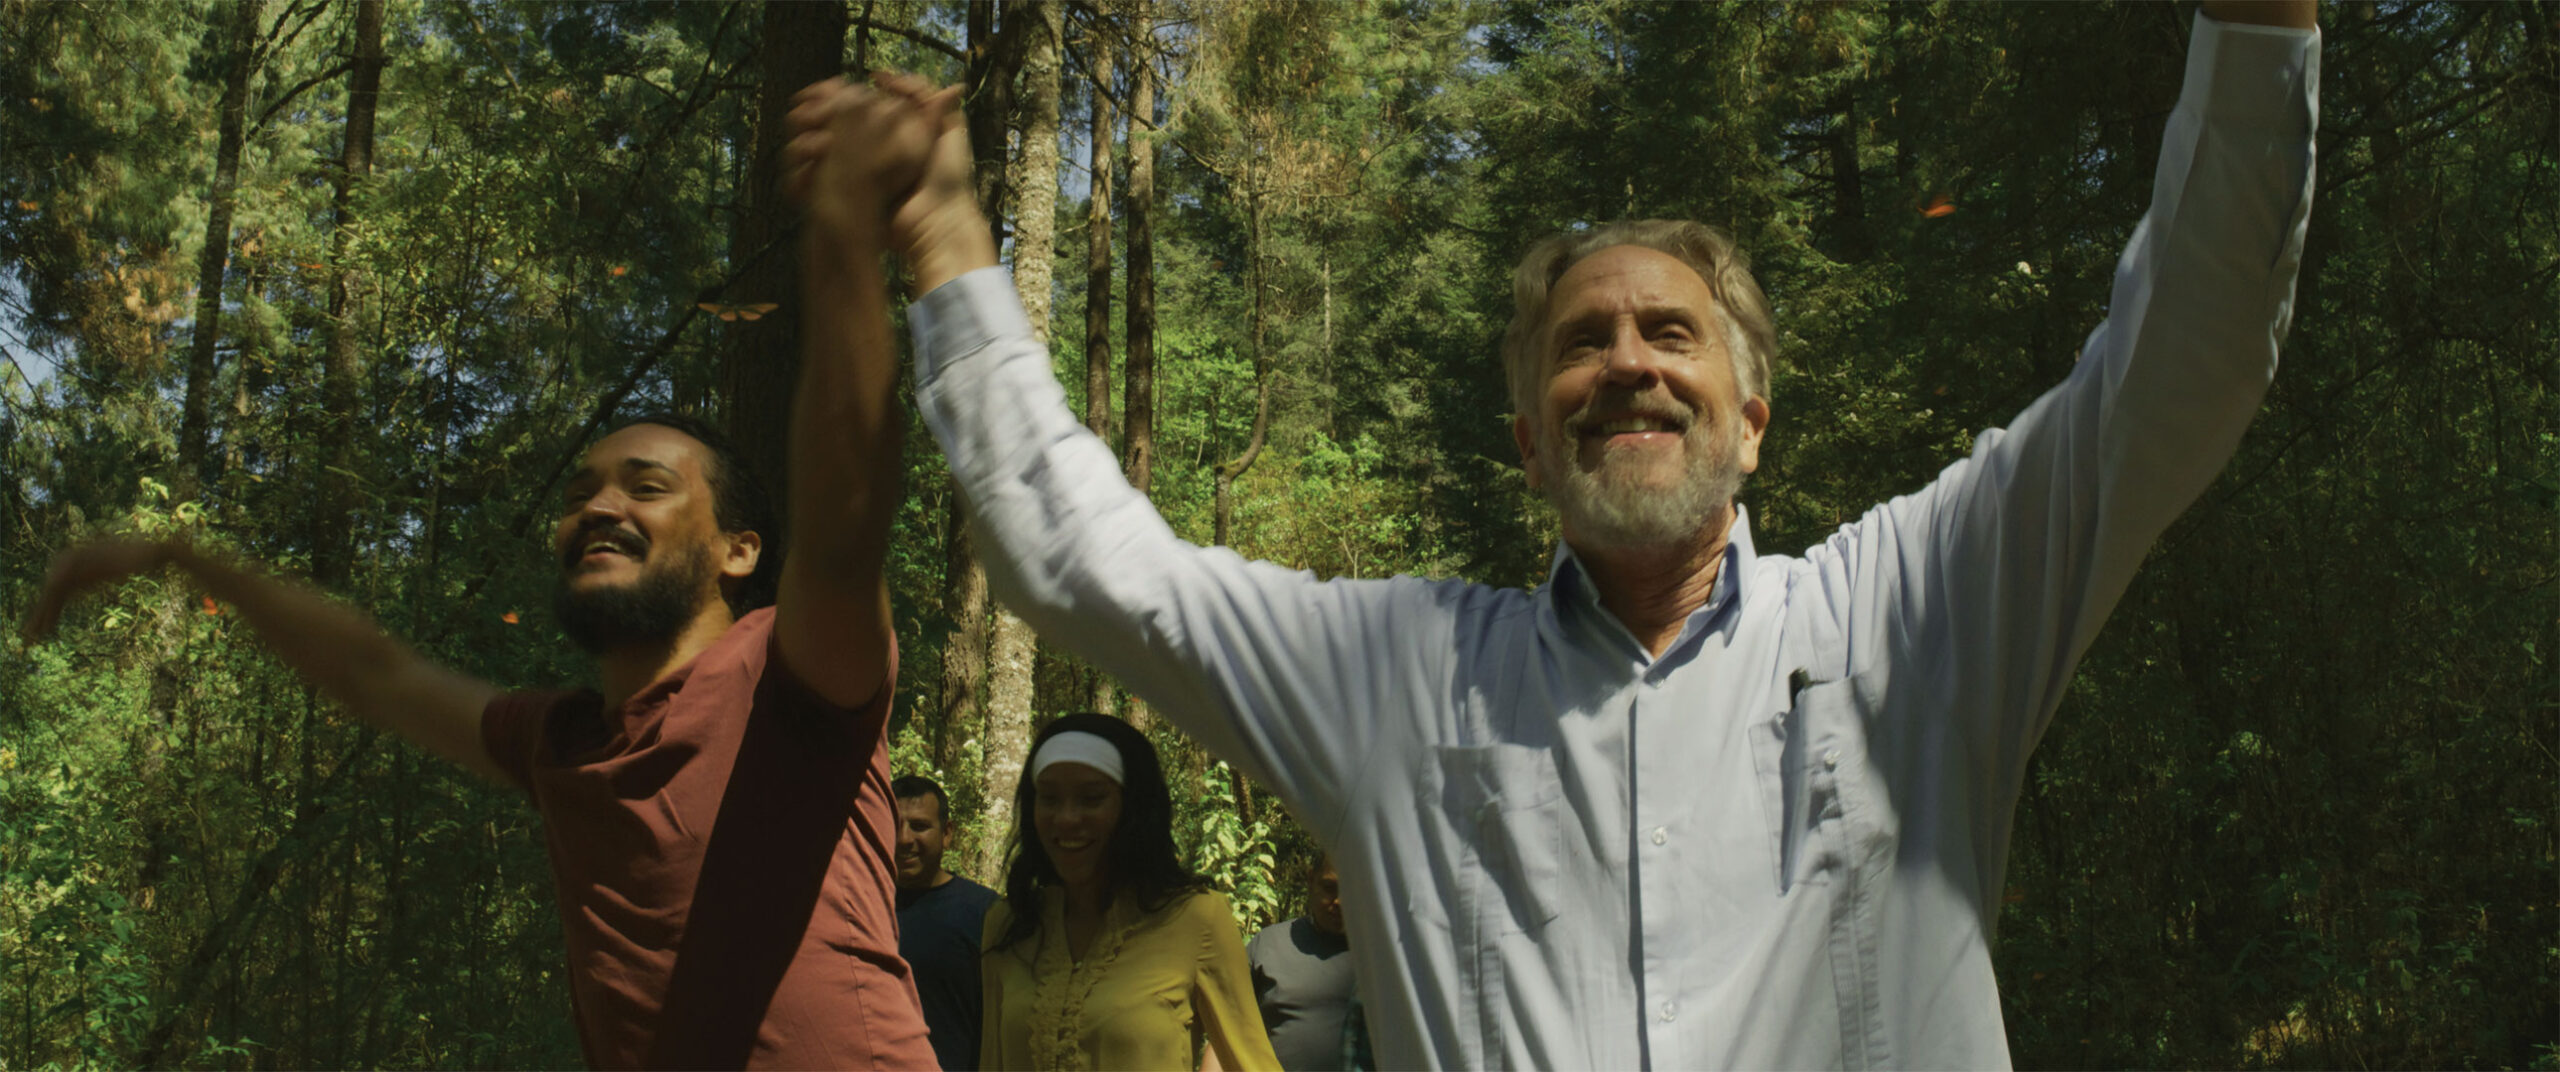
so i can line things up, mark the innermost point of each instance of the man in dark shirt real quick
(940, 916)
(1303, 979)
(717, 807)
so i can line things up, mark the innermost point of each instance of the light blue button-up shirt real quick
(1778, 844)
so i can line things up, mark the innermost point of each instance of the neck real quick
(1089, 896)
(623, 672)
(1654, 590)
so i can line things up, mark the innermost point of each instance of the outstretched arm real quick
(339, 651)
(832, 618)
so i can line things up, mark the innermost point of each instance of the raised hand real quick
(857, 152)
(940, 229)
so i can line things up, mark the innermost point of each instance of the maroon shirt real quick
(725, 849)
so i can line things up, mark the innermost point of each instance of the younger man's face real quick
(638, 540)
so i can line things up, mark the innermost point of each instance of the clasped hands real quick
(887, 166)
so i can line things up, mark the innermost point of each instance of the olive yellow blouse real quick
(1134, 999)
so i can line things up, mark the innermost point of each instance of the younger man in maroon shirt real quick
(718, 812)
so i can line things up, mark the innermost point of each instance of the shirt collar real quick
(1569, 585)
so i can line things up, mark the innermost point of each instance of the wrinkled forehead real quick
(1628, 279)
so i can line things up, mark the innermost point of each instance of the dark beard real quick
(650, 611)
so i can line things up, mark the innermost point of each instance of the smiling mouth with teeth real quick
(1631, 425)
(606, 544)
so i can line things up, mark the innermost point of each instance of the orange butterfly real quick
(749, 311)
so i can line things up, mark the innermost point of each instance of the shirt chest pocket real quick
(1505, 802)
(1818, 786)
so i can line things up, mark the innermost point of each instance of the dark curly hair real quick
(740, 503)
(1144, 863)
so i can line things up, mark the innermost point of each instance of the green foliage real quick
(2295, 811)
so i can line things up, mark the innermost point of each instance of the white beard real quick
(1606, 508)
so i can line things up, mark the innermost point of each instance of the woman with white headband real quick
(1107, 952)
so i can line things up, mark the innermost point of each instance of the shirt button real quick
(1831, 759)
(1670, 1011)
(1661, 835)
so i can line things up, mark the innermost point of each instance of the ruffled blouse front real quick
(1134, 999)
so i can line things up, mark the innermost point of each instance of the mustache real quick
(627, 541)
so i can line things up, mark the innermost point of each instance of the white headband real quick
(1077, 746)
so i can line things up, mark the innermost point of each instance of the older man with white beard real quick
(1685, 805)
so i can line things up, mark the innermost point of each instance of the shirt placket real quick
(1663, 942)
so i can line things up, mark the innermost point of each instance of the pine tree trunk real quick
(195, 422)
(1236, 466)
(1848, 191)
(333, 533)
(760, 359)
(995, 60)
(1097, 256)
(964, 651)
(1138, 403)
(1097, 298)
(1009, 671)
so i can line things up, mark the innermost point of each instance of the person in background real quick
(1106, 951)
(940, 917)
(1302, 978)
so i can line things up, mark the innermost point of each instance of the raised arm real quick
(832, 615)
(339, 651)
(1977, 595)
(1286, 677)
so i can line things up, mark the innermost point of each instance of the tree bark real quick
(333, 533)
(195, 422)
(1138, 401)
(994, 62)
(1097, 256)
(1138, 405)
(760, 359)
(1097, 294)
(1235, 467)
(1009, 671)
(964, 651)
(1848, 188)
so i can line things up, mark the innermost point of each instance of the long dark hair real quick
(1144, 864)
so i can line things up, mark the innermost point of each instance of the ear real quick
(745, 550)
(1527, 438)
(1755, 423)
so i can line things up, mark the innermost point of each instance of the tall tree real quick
(994, 60)
(1138, 385)
(333, 534)
(240, 54)
(1138, 403)
(1013, 646)
(760, 357)
(1097, 274)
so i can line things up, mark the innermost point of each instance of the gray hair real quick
(1750, 336)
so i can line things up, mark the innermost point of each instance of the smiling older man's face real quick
(1642, 434)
